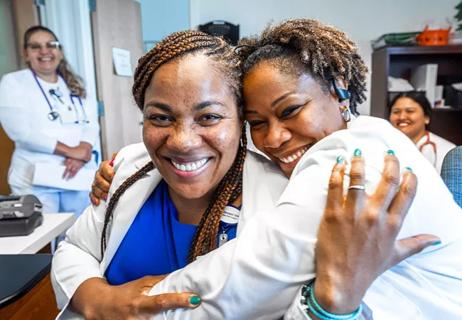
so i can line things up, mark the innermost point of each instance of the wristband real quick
(310, 304)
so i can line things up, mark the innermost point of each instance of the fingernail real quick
(340, 159)
(357, 153)
(194, 300)
(409, 169)
(436, 242)
(391, 152)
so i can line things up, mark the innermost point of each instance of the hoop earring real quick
(345, 110)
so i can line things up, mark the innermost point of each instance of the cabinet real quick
(399, 61)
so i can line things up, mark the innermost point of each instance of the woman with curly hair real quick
(302, 82)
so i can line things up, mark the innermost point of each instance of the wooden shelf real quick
(399, 61)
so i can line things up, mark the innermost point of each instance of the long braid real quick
(115, 198)
(230, 187)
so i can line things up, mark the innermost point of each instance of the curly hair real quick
(305, 45)
(73, 81)
(229, 188)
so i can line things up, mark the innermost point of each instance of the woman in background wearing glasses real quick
(44, 111)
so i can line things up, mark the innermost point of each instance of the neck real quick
(419, 136)
(48, 77)
(190, 211)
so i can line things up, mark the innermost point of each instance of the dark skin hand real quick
(358, 232)
(102, 181)
(95, 299)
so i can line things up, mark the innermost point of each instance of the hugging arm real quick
(258, 275)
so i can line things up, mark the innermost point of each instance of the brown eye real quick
(209, 119)
(161, 120)
(290, 111)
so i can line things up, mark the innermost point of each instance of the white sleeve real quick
(258, 275)
(78, 255)
(14, 119)
(91, 129)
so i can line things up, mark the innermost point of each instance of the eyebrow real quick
(275, 102)
(197, 107)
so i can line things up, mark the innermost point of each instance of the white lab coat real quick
(442, 147)
(78, 257)
(24, 117)
(258, 275)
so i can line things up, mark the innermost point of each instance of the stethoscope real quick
(53, 114)
(428, 142)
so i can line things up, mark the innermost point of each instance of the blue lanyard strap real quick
(41, 89)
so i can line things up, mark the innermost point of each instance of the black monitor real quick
(220, 28)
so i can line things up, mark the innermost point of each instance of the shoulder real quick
(441, 141)
(131, 153)
(129, 160)
(17, 76)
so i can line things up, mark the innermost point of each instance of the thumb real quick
(167, 301)
(407, 247)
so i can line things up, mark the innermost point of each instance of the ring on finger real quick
(356, 187)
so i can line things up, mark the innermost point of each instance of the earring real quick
(345, 110)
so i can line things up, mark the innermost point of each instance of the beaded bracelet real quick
(309, 304)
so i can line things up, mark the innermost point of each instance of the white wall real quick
(161, 17)
(362, 20)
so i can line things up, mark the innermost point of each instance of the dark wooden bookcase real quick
(399, 61)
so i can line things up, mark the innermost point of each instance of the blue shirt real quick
(156, 242)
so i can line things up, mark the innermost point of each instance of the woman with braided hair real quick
(301, 82)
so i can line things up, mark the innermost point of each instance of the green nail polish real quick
(194, 300)
(340, 159)
(357, 153)
(437, 242)
(408, 169)
(391, 152)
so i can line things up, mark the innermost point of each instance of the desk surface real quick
(53, 225)
(19, 273)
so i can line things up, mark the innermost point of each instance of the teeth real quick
(294, 156)
(190, 166)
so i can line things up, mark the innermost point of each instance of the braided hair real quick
(305, 45)
(230, 187)
(73, 81)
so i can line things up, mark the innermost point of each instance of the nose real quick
(276, 136)
(184, 138)
(43, 49)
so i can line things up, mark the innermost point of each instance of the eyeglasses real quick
(49, 45)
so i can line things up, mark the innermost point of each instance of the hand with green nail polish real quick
(96, 299)
(354, 218)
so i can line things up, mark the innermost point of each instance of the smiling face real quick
(288, 113)
(409, 117)
(42, 58)
(191, 127)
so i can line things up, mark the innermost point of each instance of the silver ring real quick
(357, 187)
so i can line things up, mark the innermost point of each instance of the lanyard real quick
(53, 115)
